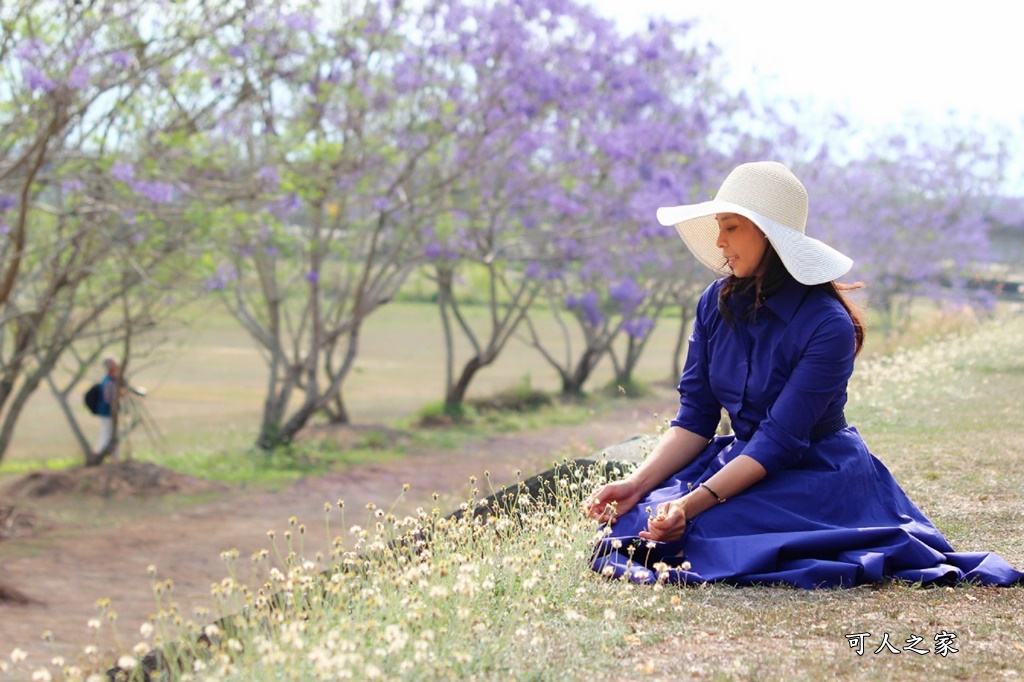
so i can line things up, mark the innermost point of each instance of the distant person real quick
(107, 402)
(794, 496)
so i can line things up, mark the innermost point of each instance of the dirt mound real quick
(115, 479)
(11, 595)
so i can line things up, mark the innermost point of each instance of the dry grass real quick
(779, 633)
(947, 420)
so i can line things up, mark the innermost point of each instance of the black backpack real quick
(93, 398)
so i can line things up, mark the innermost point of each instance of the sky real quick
(878, 63)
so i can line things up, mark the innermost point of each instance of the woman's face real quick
(741, 242)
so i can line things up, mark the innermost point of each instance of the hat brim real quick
(809, 260)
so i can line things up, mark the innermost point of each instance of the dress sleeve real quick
(699, 411)
(819, 377)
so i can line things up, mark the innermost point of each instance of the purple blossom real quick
(271, 250)
(30, 49)
(7, 202)
(128, 215)
(255, 22)
(80, 77)
(121, 59)
(381, 204)
(627, 294)
(37, 80)
(269, 178)
(156, 191)
(433, 250)
(137, 238)
(407, 80)
(588, 303)
(122, 171)
(591, 311)
(312, 276)
(82, 48)
(4, 229)
(638, 327)
(286, 206)
(221, 278)
(533, 270)
(73, 185)
(570, 249)
(239, 52)
(301, 22)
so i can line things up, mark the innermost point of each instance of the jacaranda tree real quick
(534, 71)
(360, 128)
(93, 194)
(644, 139)
(910, 211)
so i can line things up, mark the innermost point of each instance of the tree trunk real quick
(281, 432)
(14, 410)
(681, 337)
(624, 371)
(337, 411)
(455, 396)
(572, 385)
(76, 428)
(278, 394)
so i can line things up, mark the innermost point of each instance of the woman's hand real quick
(612, 500)
(668, 523)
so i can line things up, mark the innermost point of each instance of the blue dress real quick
(828, 513)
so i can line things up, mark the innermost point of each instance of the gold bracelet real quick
(706, 487)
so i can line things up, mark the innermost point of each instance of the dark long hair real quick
(771, 274)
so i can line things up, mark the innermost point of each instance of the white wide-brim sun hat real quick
(774, 199)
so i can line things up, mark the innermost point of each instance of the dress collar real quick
(784, 302)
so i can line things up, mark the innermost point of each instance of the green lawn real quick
(207, 385)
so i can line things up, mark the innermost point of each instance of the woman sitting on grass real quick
(794, 496)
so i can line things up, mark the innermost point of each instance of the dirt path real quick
(66, 572)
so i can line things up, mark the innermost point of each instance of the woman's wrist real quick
(706, 488)
(639, 482)
(697, 501)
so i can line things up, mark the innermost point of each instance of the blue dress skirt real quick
(837, 519)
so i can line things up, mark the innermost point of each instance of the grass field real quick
(208, 382)
(944, 415)
(515, 600)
